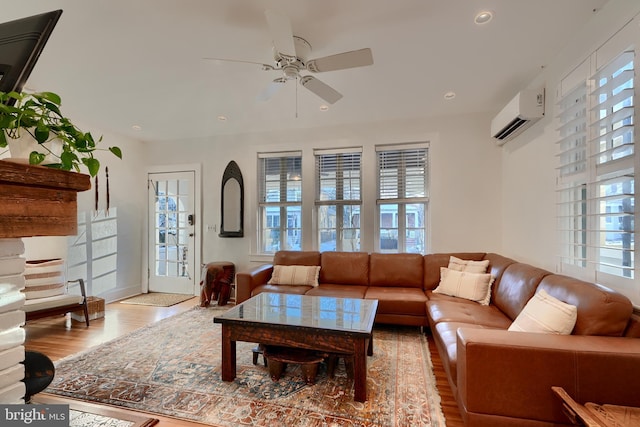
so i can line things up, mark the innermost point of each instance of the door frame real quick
(196, 168)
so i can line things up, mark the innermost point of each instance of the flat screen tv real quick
(21, 42)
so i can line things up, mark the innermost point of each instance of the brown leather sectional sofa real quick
(499, 378)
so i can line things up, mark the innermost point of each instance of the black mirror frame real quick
(232, 171)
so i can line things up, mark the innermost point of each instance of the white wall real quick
(128, 195)
(529, 161)
(464, 179)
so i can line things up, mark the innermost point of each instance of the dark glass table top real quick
(340, 314)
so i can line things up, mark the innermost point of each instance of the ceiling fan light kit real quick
(291, 55)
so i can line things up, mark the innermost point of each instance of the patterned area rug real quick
(82, 414)
(173, 368)
(157, 299)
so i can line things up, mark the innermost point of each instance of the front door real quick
(171, 232)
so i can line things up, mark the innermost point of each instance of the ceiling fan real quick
(290, 55)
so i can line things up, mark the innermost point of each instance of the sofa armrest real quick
(249, 280)
(511, 373)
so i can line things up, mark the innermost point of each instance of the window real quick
(338, 199)
(280, 201)
(402, 197)
(596, 174)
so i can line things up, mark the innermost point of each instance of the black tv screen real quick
(21, 42)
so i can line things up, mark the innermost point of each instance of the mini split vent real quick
(521, 112)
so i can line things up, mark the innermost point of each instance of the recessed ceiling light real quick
(449, 95)
(483, 17)
(222, 118)
(136, 127)
(324, 108)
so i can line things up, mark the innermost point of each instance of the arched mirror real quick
(232, 203)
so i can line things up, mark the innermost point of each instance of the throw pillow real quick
(468, 266)
(295, 275)
(546, 314)
(461, 284)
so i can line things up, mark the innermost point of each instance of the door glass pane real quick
(171, 228)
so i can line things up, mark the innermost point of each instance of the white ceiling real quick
(119, 63)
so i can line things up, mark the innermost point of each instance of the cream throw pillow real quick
(468, 266)
(546, 314)
(461, 284)
(295, 275)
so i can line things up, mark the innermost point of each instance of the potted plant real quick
(37, 117)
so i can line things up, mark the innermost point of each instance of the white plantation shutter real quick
(596, 175)
(612, 167)
(572, 175)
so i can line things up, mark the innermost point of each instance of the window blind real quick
(338, 175)
(280, 178)
(402, 173)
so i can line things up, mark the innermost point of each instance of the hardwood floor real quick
(59, 337)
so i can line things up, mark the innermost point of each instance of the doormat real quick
(157, 299)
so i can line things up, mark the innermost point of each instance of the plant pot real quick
(21, 148)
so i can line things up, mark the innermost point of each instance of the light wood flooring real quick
(58, 337)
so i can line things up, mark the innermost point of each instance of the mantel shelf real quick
(38, 201)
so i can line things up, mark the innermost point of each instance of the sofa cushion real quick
(468, 266)
(294, 275)
(497, 265)
(338, 290)
(545, 314)
(471, 286)
(296, 258)
(394, 300)
(433, 262)
(470, 312)
(395, 270)
(516, 287)
(601, 311)
(281, 289)
(345, 268)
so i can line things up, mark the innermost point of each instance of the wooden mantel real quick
(38, 201)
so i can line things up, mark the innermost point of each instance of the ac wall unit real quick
(521, 112)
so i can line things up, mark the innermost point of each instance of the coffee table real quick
(328, 324)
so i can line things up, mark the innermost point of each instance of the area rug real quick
(83, 414)
(173, 368)
(157, 299)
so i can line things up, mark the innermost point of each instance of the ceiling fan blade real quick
(281, 34)
(271, 90)
(354, 58)
(321, 89)
(263, 65)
